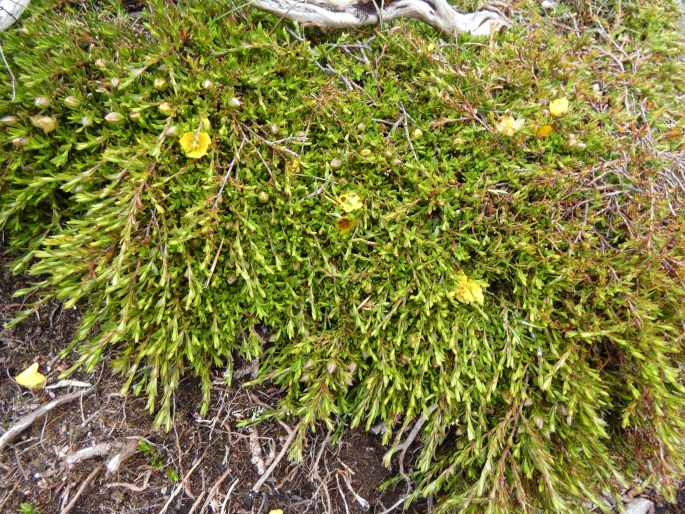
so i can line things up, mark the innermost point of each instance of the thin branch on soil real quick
(127, 451)
(132, 487)
(68, 383)
(277, 460)
(196, 503)
(180, 486)
(256, 451)
(80, 490)
(28, 420)
(235, 159)
(228, 495)
(394, 505)
(215, 488)
(361, 501)
(87, 453)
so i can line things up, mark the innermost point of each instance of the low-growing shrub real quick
(402, 229)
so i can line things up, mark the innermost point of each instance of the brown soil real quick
(32, 470)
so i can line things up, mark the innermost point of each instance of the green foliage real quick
(535, 400)
(28, 508)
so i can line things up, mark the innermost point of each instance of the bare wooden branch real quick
(90, 452)
(127, 451)
(26, 421)
(79, 492)
(340, 14)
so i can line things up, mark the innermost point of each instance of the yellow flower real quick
(195, 144)
(276, 511)
(509, 126)
(469, 290)
(558, 107)
(545, 131)
(292, 166)
(350, 202)
(31, 377)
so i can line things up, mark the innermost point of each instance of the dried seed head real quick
(331, 367)
(42, 102)
(113, 117)
(46, 123)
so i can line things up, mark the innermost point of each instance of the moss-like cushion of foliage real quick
(359, 194)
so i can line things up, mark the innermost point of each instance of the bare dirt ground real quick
(204, 464)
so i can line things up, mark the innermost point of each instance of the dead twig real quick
(28, 420)
(80, 490)
(258, 485)
(117, 460)
(87, 453)
(215, 488)
(68, 383)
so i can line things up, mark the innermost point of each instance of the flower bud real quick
(207, 84)
(42, 102)
(234, 103)
(335, 164)
(100, 64)
(86, 121)
(171, 131)
(113, 117)
(263, 197)
(166, 108)
(365, 152)
(134, 115)
(72, 102)
(18, 142)
(114, 82)
(46, 123)
(417, 133)
(8, 120)
(159, 84)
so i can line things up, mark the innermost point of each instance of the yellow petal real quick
(508, 125)
(350, 202)
(31, 377)
(545, 131)
(558, 107)
(195, 144)
(469, 290)
(276, 511)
